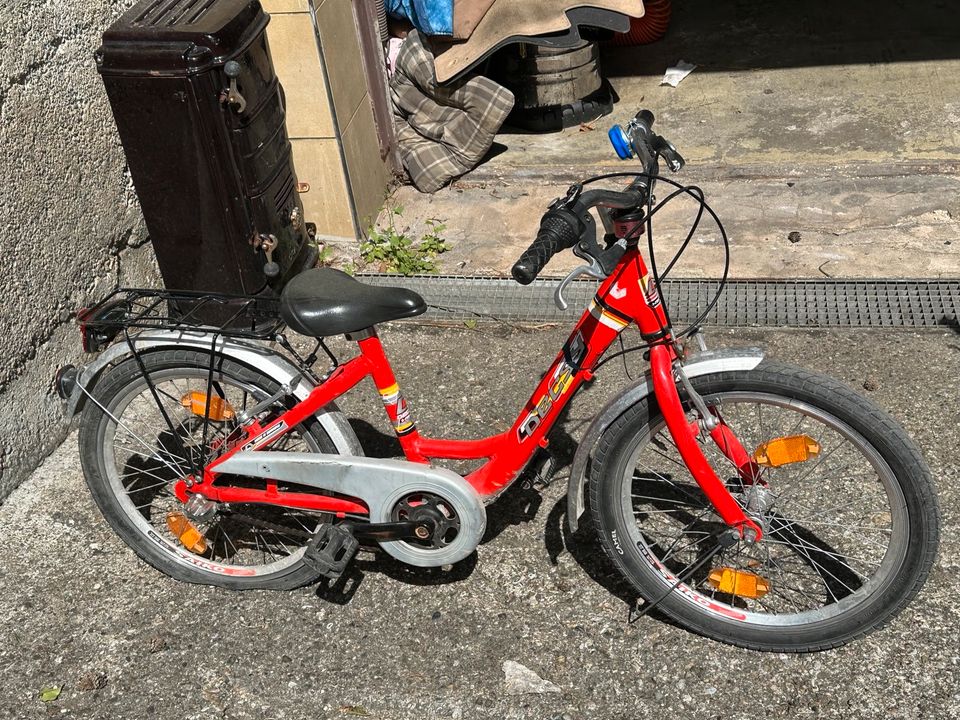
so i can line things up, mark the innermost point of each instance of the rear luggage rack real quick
(241, 316)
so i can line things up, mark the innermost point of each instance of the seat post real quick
(359, 335)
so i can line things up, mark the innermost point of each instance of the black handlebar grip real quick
(559, 229)
(645, 118)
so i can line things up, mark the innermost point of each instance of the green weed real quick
(392, 250)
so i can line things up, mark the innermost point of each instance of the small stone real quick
(870, 384)
(521, 680)
(794, 237)
(768, 91)
(92, 680)
(435, 615)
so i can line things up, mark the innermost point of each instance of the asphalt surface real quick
(79, 611)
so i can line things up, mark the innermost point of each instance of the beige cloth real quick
(508, 18)
(467, 14)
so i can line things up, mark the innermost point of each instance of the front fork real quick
(685, 437)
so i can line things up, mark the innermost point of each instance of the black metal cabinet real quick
(200, 114)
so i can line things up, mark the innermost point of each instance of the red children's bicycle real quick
(751, 501)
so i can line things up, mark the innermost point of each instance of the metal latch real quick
(232, 70)
(268, 243)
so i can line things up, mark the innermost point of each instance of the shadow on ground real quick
(753, 34)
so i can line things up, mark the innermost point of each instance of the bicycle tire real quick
(868, 607)
(120, 385)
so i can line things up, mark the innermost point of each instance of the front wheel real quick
(850, 524)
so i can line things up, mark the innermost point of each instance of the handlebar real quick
(559, 229)
(563, 225)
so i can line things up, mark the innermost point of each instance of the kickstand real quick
(726, 539)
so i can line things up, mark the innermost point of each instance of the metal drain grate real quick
(744, 303)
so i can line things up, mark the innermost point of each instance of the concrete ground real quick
(79, 611)
(800, 118)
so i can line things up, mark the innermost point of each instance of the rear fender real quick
(705, 363)
(247, 352)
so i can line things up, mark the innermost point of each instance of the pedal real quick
(541, 470)
(330, 550)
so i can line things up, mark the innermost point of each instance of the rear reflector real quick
(196, 402)
(65, 381)
(187, 533)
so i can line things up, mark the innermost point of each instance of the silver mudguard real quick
(705, 363)
(249, 352)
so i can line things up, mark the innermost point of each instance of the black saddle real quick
(324, 301)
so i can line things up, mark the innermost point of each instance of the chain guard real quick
(381, 484)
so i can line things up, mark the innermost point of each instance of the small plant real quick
(326, 256)
(392, 250)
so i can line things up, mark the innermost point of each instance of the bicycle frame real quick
(627, 295)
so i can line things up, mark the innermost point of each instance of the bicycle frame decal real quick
(265, 438)
(397, 410)
(560, 381)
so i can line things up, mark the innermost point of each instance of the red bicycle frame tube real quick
(628, 295)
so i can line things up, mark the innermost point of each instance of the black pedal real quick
(541, 470)
(330, 550)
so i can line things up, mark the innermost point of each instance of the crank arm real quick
(384, 532)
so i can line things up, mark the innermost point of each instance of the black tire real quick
(852, 605)
(116, 495)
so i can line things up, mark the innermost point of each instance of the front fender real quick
(249, 352)
(705, 363)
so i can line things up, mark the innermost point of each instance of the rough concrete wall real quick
(71, 225)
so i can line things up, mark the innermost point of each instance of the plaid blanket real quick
(442, 131)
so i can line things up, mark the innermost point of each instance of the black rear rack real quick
(243, 316)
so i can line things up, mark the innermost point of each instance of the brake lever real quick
(594, 270)
(665, 149)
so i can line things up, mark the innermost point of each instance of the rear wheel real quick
(850, 532)
(132, 460)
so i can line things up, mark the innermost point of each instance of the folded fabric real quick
(467, 14)
(433, 17)
(511, 18)
(442, 131)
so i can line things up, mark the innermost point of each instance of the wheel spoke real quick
(143, 462)
(813, 558)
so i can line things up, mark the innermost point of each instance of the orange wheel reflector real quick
(786, 450)
(738, 582)
(187, 533)
(196, 402)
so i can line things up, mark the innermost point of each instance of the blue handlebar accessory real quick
(620, 142)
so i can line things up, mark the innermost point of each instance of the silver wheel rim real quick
(873, 566)
(166, 462)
